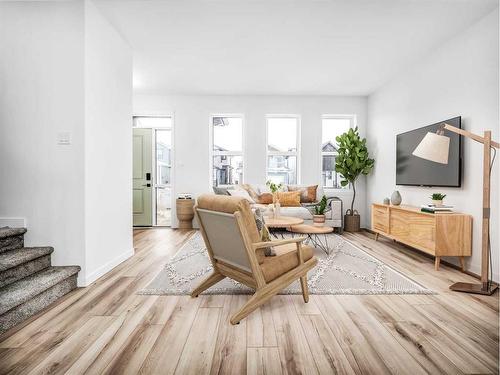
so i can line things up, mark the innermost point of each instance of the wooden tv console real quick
(440, 234)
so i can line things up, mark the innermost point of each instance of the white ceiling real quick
(335, 47)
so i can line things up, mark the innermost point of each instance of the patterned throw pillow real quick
(264, 232)
(307, 193)
(289, 198)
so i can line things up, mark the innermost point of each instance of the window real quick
(227, 150)
(332, 126)
(282, 149)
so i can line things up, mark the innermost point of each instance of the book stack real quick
(433, 209)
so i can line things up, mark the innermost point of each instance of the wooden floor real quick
(108, 328)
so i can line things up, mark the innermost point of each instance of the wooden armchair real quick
(236, 251)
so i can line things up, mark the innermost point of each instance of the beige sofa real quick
(334, 215)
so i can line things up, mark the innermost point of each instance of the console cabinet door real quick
(400, 225)
(380, 218)
(423, 232)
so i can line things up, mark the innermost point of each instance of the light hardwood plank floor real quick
(108, 328)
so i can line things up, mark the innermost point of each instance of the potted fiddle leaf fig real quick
(352, 161)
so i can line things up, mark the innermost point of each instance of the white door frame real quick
(153, 156)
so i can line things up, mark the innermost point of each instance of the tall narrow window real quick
(332, 126)
(282, 149)
(227, 150)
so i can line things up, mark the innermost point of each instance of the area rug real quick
(347, 270)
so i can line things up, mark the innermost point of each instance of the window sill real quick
(336, 192)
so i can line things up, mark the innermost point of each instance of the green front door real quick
(142, 177)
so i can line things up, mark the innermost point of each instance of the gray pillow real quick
(264, 232)
(222, 190)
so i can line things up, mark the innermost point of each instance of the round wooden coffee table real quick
(314, 234)
(282, 221)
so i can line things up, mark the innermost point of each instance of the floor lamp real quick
(435, 147)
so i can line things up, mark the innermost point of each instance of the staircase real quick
(28, 282)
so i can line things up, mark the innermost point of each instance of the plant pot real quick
(319, 220)
(351, 223)
(437, 203)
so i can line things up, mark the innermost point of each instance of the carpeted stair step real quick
(20, 263)
(26, 297)
(11, 238)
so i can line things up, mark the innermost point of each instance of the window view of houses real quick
(282, 149)
(282, 146)
(227, 159)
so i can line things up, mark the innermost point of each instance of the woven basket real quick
(352, 222)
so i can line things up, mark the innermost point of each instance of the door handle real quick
(148, 185)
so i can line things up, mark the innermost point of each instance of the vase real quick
(387, 201)
(277, 207)
(396, 198)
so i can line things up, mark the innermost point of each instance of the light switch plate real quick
(64, 138)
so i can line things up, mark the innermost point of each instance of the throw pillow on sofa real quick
(257, 195)
(241, 193)
(265, 198)
(307, 193)
(289, 198)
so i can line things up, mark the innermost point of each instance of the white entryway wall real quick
(192, 115)
(65, 72)
(460, 78)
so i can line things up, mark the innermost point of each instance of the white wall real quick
(63, 69)
(108, 151)
(191, 134)
(458, 79)
(42, 94)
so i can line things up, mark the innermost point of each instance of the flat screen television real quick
(415, 171)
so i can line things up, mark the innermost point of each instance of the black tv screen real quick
(415, 171)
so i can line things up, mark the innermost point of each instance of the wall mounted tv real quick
(414, 171)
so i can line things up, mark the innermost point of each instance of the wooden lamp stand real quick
(485, 287)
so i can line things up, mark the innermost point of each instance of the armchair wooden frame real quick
(254, 279)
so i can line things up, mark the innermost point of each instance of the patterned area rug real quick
(347, 270)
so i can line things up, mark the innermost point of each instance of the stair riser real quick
(36, 304)
(17, 273)
(11, 243)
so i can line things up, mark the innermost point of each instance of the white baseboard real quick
(105, 268)
(13, 222)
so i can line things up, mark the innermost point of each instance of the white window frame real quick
(353, 124)
(213, 153)
(278, 153)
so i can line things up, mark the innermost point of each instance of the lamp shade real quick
(433, 147)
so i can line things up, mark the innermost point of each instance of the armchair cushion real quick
(286, 259)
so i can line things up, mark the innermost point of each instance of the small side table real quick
(185, 213)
